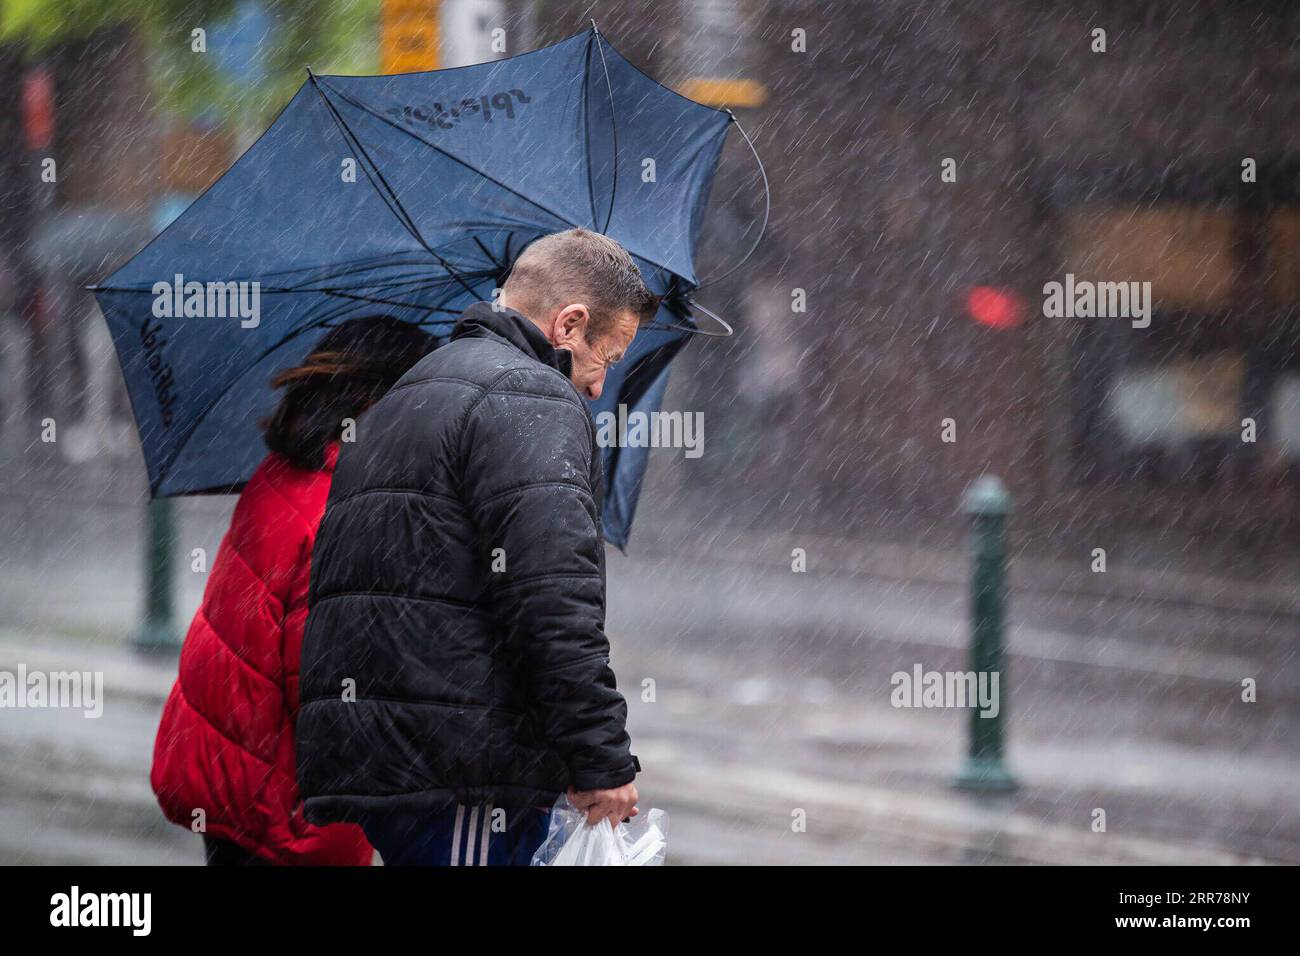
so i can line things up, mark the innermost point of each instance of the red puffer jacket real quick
(225, 745)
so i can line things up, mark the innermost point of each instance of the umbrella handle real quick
(726, 329)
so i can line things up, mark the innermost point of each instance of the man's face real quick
(591, 359)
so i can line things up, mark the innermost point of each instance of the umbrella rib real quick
(450, 155)
(343, 268)
(374, 301)
(421, 276)
(613, 123)
(403, 216)
(198, 419)
(487, 252)
(767, 209)
(586, 129)
(326, 273)
(165, 467)
(412, 284)
(474, 169)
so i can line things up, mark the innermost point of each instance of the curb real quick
(928, 822)
(126, 673)
(894, 562)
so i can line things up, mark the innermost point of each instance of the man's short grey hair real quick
(578, 265)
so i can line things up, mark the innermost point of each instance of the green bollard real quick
(988, 503)
(158, 631)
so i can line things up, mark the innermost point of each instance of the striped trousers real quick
(483, 835)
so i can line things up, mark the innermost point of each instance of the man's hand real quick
(618, 804)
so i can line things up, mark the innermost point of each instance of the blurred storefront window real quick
(1172, 403)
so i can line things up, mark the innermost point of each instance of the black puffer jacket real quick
(471, 684)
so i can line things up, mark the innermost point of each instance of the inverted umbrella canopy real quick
(409, 195)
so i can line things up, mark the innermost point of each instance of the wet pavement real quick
(770, 704)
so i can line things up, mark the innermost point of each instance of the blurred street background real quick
(824, 424)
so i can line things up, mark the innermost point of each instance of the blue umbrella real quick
(409, 195)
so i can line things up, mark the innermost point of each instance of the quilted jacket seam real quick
(234, 653)
(549, 576)
(525, 486)
(400, 596)
(293, 506)
(242, 748)
(556, 668)
(393, 490)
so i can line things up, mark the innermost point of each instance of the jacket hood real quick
(482, 320)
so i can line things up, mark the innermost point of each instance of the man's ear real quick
(570, 324)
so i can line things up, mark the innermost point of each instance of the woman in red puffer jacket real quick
(224, 753)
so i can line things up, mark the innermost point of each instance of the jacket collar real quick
(480, 320)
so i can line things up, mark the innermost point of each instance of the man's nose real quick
(595, 388)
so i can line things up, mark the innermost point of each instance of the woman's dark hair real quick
(348, 371)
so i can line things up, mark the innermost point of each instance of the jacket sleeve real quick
(291, 630)
(260, 563)
(527, 452)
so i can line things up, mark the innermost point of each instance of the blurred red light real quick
(38, 108)
(996, 308)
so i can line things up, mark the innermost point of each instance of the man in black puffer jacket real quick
(455, 671)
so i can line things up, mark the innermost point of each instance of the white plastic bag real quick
(571, 841)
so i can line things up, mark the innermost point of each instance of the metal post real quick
(988, 503)
(158, 631)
